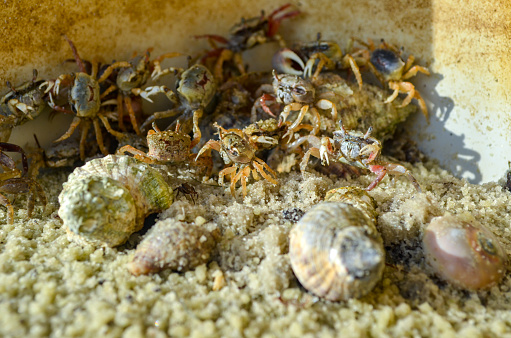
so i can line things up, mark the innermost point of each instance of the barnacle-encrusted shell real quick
(355, 196)
(361, 109)
(463, 252)
(174, 245)
(336, 251)
(107, 199)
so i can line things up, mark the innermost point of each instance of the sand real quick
(50, 286)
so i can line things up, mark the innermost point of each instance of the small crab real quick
(170, 147)
(187, 190)
(195, 88)
(237, 149)
(297, 94)
(353, 148)
(128, 82)
(243, 36)
(386, 64)
(12, 181)
(58, 155)
(321, 54)
(21, 104)
(84, 102)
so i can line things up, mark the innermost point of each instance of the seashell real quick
(174, 245)
(357, 197)
(107, 199)
(335, 249)
(463, 252)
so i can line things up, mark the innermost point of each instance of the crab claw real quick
(21, 107)
(150, 91)
(288, 62)
(324, 149)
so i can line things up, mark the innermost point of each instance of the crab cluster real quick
(307, 106)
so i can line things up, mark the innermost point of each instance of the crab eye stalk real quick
(234, 152)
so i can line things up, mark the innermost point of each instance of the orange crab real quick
(237, 148)
(386, 64)
(171, 147)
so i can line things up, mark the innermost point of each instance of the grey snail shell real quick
(107, 199)
(464, 252)
(335, 250)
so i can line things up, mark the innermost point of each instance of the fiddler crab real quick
(238, 149)
(129, 81)
(195, 88)
(319, 54)
(21, 104)
(13, 181)
(243, 36)
(84, 101)
(171, 147)
(297, 94)
(355, 149)
(386, 64)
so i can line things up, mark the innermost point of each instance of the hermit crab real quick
(243, 36)
(353, 148)
(335, 250)
(237, 149)
(21, 104)
(13, 181)
(107, 199)
(464, 252)
(84, 101)
(386, 63)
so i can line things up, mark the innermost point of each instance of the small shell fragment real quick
(107, 199)
(463, 252)
(336, 251)
(172, 244)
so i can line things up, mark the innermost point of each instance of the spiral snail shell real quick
(335, 249)
(463, 252)
(107, 199)
(174, 245)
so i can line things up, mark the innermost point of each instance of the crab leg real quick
(10, 210)
(226, 171)
(110, 69)
(133, 118)
(260, 165)
(76, 121)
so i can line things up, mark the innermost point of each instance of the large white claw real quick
(323, 154)
(23, 107)
(307, 72)
(284, 60)
(150, 91)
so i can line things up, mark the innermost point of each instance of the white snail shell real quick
(336, 251)
(463, 252)
(107, 199)
(174, 245)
